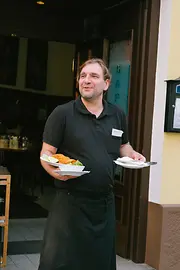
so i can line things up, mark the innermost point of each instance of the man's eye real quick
(82, 76)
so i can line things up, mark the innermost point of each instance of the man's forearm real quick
(51, 150)
(48, 168)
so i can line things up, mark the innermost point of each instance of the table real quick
(19, 149)
(12, 149)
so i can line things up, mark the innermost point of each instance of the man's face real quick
(91, 81)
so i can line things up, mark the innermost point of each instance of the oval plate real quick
(131, 165)
(51, 163)
(71, 173)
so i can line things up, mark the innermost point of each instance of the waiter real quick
(80, 230)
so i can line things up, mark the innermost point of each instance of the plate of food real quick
(50, 160)
(71, 173)
(130, 163)
(63, 162)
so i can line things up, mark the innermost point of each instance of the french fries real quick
(64, 159)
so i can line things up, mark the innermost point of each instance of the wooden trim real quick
(105, 50)
(6, 182)
(89, 54)
(145, 24)
(135, 121)
(148, 27)
(3, 183)
(78, 66)
(123, 244)
(145, 27)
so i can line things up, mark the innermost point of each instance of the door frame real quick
(141, 105)
(123, 184)
(141, 118)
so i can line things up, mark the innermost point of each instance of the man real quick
(80, 231)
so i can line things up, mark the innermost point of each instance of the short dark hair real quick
(106, 73)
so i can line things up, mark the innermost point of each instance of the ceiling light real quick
(40, 2)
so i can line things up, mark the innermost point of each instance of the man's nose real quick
(87, 79)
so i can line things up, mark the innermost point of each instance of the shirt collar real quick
(82, 108)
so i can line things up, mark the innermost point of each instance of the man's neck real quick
(93, 106)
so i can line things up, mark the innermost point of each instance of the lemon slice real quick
(53, 160)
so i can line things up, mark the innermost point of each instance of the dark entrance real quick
(94, 30)
(136, 23)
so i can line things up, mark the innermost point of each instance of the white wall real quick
(160, 101)
(60, 75)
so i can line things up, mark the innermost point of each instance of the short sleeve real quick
(54, 127)
(125, 137)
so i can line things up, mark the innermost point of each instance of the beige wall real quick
(170, 189)
(157, 141)
(165, 176)
(59, 68)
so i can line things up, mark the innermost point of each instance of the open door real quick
(120, 60)
(86, 50)
(117, 54)
(133, 36)
(130, 49)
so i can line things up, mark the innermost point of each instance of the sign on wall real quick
(119, 66)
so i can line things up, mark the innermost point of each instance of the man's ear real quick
(107, 84)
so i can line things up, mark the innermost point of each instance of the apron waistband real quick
(91, 192)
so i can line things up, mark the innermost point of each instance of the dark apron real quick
(80, 232)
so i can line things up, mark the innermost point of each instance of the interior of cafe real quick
(39, 42)
(36, 75)
(42, 45)
(23, 113)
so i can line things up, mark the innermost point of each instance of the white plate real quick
(64, 167)
(50, 163)
(73, 173)
(129, 160)
(131, 165)
(71, 168)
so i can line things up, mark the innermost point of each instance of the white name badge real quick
(117, 132)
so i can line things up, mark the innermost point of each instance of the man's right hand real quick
(61, 177)
(51, 150)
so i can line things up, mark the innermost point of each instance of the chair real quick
(5, 180)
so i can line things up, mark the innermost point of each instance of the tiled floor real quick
(26, 229)
(123, 264)
(30, 262)
(22, 262)
(32, 229)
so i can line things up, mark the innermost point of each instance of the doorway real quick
(129, 50)
(130, 21)
(120, 63)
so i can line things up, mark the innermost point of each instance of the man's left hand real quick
(126, 150)
(137, 156)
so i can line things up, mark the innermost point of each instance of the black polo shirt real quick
(77, 133)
